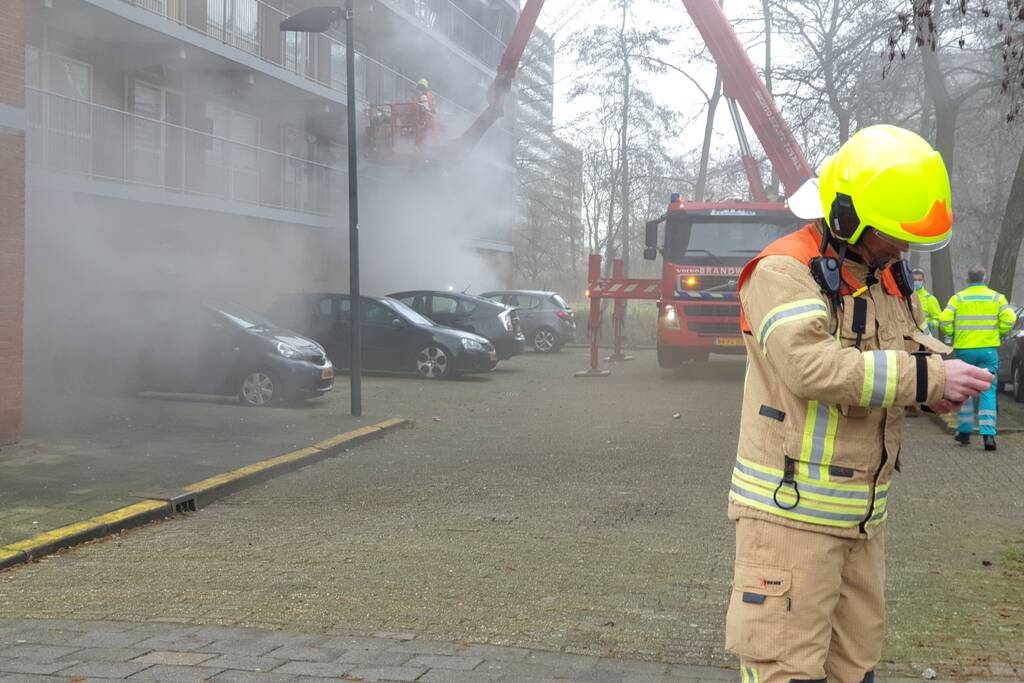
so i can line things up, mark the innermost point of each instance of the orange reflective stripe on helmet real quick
(936, 223)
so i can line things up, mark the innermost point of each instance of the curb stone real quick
(200, 493)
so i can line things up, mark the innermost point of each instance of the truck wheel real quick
(668, 357)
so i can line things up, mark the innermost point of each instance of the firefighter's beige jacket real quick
(822, 419)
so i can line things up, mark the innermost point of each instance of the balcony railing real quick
(74, 136)
(253, 26)
(454, 24)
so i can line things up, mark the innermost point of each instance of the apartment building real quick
(550, 176)
(192, 144)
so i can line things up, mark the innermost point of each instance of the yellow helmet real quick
(423, 83)
(889, 179)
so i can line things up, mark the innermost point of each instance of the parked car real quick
(1011, 359)
(497, 322)
(394, 337)
(169, 343)
(548, 322)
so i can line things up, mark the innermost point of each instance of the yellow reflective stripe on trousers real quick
(881, 372)
(819, 440)
(789, 313)
(749, 675)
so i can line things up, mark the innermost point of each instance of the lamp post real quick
(319, 20)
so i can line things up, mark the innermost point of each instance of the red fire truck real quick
(706, 245)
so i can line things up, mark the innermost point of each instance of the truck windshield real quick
(717, 240)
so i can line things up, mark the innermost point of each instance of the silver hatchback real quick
(546, 318)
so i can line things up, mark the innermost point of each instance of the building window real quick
(338, 73)
(60, 110)
(232, 159)
(236, 22)
(296, 52)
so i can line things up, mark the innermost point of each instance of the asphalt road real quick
(533, 509)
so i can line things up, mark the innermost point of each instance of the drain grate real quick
(181, 501)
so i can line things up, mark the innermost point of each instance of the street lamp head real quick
(313, 20)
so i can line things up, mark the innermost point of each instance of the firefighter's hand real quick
(945, 406)
(964, 381)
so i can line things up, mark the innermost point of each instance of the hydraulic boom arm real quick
(743, 84)
(503, 80)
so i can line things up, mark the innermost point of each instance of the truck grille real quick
(730, 328)
(709, 310)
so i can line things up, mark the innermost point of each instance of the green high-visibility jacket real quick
(977, 317)
(930, 307)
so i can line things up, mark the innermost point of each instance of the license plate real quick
(728, 341)
(328, 373)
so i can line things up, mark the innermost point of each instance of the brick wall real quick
(12, 217)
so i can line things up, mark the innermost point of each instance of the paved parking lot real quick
(530, 509)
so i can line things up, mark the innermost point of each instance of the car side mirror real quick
(650, 253)
(397, 323)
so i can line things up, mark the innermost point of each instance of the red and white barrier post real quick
(618, 316)
(593, 275)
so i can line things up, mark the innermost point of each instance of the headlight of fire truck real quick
(669, 317)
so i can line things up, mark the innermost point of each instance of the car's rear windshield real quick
(410, 315)
(559, 301)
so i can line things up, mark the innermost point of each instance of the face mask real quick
(918, 284)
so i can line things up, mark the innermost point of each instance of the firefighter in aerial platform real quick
(837, 349)
(425, 111)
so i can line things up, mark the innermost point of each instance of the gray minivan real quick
(545, 317)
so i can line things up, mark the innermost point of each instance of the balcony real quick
(253, 27)
(104, 144)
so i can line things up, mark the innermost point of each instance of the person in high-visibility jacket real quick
(836, 351)
(929, 302)
(976, 318)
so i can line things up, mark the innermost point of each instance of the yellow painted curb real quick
(347, 438)
(210, 489)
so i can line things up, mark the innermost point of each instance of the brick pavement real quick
(564, 516)
(71, 650)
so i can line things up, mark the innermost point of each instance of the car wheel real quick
(545, 340)
(433, 362)
(1018, 383)
(259, 388)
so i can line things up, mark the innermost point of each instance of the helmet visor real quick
(806, 201)
(914, 246)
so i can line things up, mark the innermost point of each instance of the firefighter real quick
(976, 318)
(424, 96)
(928, 302)
(835, 355)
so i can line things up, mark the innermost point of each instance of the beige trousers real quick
(805, 606)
